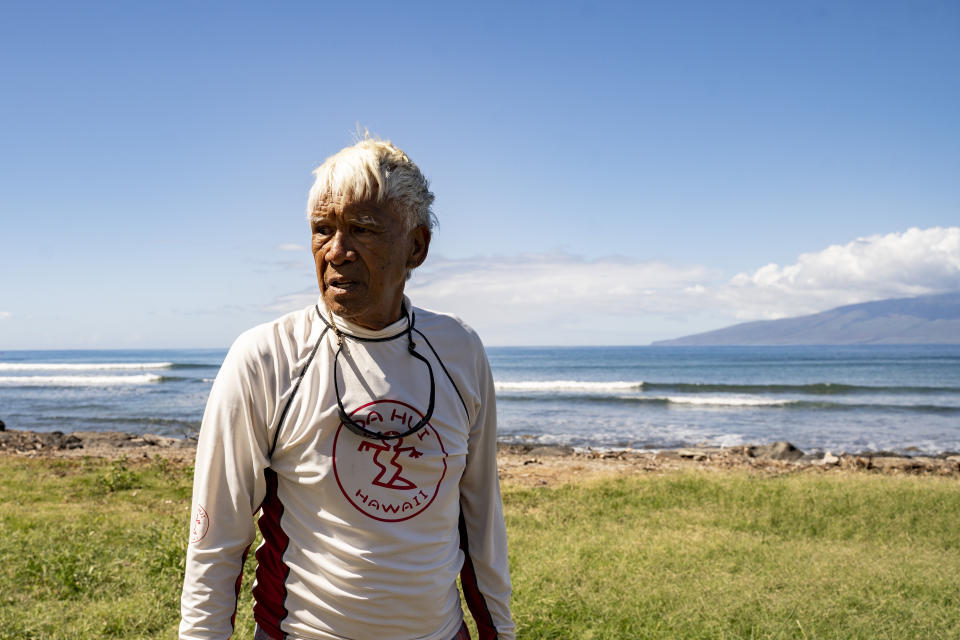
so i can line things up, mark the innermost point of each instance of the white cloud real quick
(292, 301)
(290, 246)
(558, 298)
(5, 314)
(524, 283)
(554, 298)
(914, 262)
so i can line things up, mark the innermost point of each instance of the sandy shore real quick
(526, 465)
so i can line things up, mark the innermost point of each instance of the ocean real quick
(904, 399)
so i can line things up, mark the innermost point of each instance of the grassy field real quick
(93, 549)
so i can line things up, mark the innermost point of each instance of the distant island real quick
(930, 319)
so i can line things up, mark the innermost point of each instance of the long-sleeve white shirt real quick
(363, 538)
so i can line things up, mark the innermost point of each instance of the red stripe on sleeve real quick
(270, 591)
(236, 587)
(471, 590)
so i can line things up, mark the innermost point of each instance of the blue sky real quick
(605, 173)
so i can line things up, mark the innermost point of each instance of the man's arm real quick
(227, 489)
(485, 576)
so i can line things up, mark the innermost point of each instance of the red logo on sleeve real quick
(199, 524)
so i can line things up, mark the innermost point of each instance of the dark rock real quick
(3, 427)
(917, 464)
(740, 450)
(515, 448)
(34, 441)
(776, 451)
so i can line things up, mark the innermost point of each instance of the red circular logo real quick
(199, 524)
(389, 480)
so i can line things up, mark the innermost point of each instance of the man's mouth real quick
(342, 284)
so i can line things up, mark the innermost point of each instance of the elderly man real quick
(363, 430)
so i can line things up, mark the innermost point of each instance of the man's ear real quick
(420, 246)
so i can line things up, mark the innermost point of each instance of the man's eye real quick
(321, 230)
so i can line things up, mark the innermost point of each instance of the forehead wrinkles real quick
(367, 213)
(331, 203)
(336, 204)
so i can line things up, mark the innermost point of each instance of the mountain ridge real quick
(928, 319)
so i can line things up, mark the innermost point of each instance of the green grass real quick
(94, 549)
(730, 555)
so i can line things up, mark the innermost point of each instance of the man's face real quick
(362, 252)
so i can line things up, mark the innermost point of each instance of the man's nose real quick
(339, 249)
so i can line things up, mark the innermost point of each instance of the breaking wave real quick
(79, 381)
(567, 385)
(816, 388)
(85, 366)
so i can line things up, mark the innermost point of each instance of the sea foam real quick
(86, 366)
(78, 381)
(727, 401)
(568, 385)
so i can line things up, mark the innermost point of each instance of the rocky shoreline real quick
(95, 444)
(540, 465)
(525, 464)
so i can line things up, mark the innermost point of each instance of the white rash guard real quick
(363, 538)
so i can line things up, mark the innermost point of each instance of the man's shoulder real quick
(445, 326)
(459, 350)
(284, 333)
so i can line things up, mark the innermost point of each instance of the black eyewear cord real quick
(358, 428)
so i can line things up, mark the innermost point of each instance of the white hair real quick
(375, 171)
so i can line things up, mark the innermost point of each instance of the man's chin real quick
(357, 309)
(345, 303)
